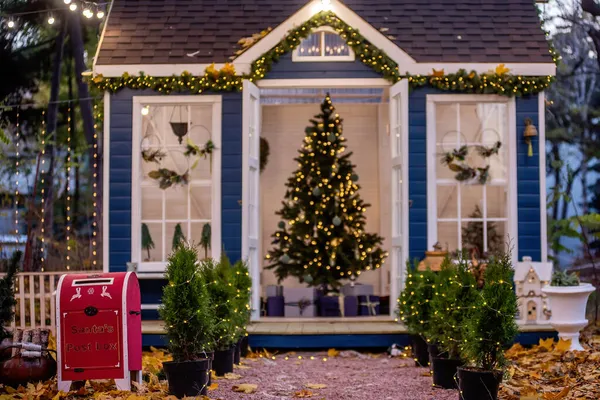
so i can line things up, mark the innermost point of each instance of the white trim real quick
(324, 83)
(150, 306)
(526, 69)
(61, 384)
(296, 57)
(106, 185)
(543, 197)
(102, 37)
(126, 377)
(162, 69)
(432, 162)
(136, 210)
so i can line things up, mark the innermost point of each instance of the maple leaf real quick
(501, 69)
(214, 386)
(232, 377)
(228, 69)
(301, 394)
(245, 388)
(438, 73)
(546, 343)
(563, 393)
(563, 345)
(333, 353)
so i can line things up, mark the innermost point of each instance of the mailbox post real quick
(99, 329)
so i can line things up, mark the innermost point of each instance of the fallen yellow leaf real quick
(332, 353)
(563, 345)
(214, 386)
(235, 366)
(245, 388)
(316, 385)
(232, 377)
(563, 393)
(302, 394)
(547, 343)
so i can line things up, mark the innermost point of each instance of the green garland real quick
(226, 79)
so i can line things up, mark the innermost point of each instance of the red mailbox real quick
(99, 328)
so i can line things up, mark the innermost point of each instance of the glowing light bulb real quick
(11, 24)
(73, 7)
(326, 2)
(67, 1)
(100, 14)
(146, 110)
(51, 20)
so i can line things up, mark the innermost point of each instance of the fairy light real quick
(11, 23)
(68, 205)
(67, 1)
(100, 14)
(51, 20)
(73, 7)
(95, 192)
(17, 144)
(43, 192)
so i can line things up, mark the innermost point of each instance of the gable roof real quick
(142, 32)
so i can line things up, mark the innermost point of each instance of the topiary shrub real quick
(490, 326)
(242, 284)
(186, 307)
(414, 304)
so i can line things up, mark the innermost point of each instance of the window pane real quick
(448, 235)
(447, 201)
(177, 126)
(197, 237)
(152, 242)
(471, 201)
(176, 206)
(496, 236)
(335, 45)
(151, 203)
(471, 118)
(200, 206)
(173, 231)
(311, 46)
(497, 197)
(446, 127)
(201, 124)
(472, 236)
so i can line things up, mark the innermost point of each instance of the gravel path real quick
(349, 376)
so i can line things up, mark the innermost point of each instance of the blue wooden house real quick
(192, 86)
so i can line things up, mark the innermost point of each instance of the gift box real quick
(338, 306)
(384, 305)
(357, 290)
(300, 302)
(274, 290)
(275, 305)
(368, 305)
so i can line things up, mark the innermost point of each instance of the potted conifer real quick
(218, 279)
(567, 298)
(454, 292)
(414, 309)
(243, 285)
(189, 322)
(488, 328)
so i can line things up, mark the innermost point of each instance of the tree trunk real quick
(51, 129)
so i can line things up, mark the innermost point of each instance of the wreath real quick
(456, 162)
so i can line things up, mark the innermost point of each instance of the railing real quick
(36, 298)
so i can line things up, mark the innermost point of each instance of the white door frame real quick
(348, 83)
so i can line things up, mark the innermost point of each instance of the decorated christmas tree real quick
(321, 238)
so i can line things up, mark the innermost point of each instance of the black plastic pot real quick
(444, 371)
(419, 351)
(476, 384)
(210, 356)
(223, 362)
(244, 348)
(188, 378)
(236, 352)
(435, 352)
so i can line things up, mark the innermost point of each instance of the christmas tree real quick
(472, 235)
(178, 237)
(147, 242)
(321, 238)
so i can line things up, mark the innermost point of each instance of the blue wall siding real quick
(528, 181)
(285, 68)
(121, 106)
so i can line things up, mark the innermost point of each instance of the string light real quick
(51, 20)
(43, 193)
(17, 144)
(100, 14)
(73, 6)
(11, 24)
(68, 204)
(67, 1)
(95, 191)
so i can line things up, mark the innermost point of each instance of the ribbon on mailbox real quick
(371, 305)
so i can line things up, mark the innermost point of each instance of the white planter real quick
(568, 310)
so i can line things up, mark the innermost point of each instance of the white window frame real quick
(296, 57)
(136, 186)
(433, 163)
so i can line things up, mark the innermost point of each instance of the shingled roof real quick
(206, 31)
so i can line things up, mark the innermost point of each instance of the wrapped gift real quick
(275, 306)
(300, 302)
(274, 290)
(384, 305)
(338, 306)
(356, 290)
(369, 305)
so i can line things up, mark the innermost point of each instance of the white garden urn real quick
(568, 310)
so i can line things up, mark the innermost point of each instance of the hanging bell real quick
(530, 132)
